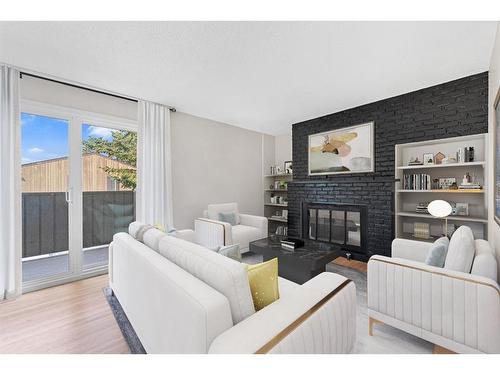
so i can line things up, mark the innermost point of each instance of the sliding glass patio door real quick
(78, 183)
(45, 196)
(108, 183)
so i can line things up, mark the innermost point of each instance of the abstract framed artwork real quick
(346, 150)
(496, 160)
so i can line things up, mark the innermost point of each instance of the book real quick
(287, 247)
(292, 242)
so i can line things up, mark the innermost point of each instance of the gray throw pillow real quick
(231, 251)
(139, 236)
(228, 217)
(437, 253)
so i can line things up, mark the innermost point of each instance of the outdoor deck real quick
(58, 264)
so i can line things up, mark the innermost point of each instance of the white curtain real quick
(154, 171)
(10, 184)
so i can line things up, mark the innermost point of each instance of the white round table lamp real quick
(440, 209)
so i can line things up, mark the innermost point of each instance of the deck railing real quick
(45, 220)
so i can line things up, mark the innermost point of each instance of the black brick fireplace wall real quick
(450, 109)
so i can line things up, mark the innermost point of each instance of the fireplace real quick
(336, 223)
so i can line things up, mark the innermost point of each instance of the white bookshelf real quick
(407, 200)
(272, 209)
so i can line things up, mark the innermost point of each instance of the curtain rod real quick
(21, 74)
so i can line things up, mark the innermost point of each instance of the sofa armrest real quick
(317, 317)
(410, 249)
(212, 233)
(460, 309)
(255, 221)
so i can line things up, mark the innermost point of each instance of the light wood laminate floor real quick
(71, 318)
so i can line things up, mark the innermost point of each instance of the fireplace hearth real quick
(336, 223)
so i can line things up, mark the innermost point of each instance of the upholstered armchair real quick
(212, 231)
(456, 307)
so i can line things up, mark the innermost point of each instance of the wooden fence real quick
(45, 219)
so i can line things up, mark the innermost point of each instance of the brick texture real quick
(450, 109)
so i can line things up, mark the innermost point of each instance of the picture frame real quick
(438, 158)
(445, 182)
(428, 159)
(496, 160)
(462, 209)
(340, 151)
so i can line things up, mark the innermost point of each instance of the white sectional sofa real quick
(181, 297)
(456, 307)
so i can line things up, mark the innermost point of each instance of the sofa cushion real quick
(485, 265)
(223, 274)
(214, 210)
(483, 247)
(461, 250)
(286, 287)
(152, 238)
(244, 234)
(437, 253)
(137, 230)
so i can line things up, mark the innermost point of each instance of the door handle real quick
(69, 195)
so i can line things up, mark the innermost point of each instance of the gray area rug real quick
(128, 332)
(385, 339)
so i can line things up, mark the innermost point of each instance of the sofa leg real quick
(440, 350)
(371, 322)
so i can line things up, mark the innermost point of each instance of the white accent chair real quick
(212, 232)
(456, 307)
(183, 298)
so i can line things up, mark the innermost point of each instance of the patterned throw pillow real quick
(263, 279)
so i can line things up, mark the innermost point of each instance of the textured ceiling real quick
(258, 75)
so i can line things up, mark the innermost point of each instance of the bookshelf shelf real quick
(452, 165)
(445, 191)
(280, 220)
(450, 218)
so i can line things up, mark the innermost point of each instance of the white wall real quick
(214, 162)
(494, 86)
(283, 148)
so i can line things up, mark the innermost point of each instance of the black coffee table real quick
(300, 265)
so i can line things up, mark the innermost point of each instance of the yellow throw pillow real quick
(263, 279)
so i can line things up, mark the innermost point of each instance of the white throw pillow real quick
(461, 250)
(152, 238)
(485, 265)
(228, 277)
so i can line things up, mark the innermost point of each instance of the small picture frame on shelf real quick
(438, 158)
(415, 161)
(428, 159)
(462, 209)
(445, 183)
(287, 165)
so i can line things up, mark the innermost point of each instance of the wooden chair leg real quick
(440, 350)
(371, 322)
